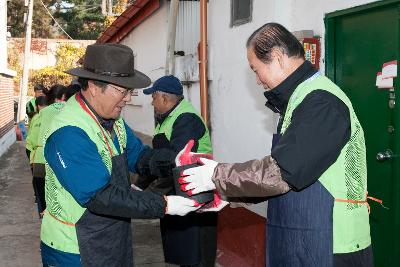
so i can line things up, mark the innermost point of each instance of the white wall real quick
(3, 34)
(3, 40)
(242, 127)
(148, 42)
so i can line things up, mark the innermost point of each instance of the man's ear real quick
(164, 99)
(92, 89)
(279, 56)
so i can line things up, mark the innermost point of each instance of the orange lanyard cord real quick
(66, 223)
(362, 201)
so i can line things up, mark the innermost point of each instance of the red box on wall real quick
(312, 49)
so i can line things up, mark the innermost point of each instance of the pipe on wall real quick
(203, 62)
(172, 17)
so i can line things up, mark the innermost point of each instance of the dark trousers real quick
(38, 188)
(362, 258)
(28, 154)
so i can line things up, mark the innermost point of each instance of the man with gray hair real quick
(316, 175)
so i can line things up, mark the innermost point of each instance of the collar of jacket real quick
(278, 98)
(161, 118)
(106, 124)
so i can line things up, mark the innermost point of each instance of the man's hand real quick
(186, 157)
(181, 206)
(198, 179)
(216, 205)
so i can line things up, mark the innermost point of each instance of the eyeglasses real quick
(124, 92)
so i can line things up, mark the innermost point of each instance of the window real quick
(241, 11)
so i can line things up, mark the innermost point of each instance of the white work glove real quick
(177, 205)
(198, 179)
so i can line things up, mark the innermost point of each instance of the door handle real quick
(385, 155)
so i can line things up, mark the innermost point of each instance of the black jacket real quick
(319, 129)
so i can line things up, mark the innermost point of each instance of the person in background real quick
(31, 110)
(38, 90)
(316, 174)
(56, 97)
(72, 89)
(89, 151)
(31, 142)
(190, 240)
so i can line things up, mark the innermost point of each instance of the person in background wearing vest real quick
(53, 95)
(31, 110)
(31, 142)
(89, 151)
(317, 168)
(56, 97)
(189, 240)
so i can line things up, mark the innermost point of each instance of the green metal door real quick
(358, 41)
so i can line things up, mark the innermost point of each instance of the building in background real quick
(7, 130)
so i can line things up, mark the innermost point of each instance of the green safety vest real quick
(47, 114)
(32, 138)
(166, 126)
(346, 178)
(28, 106)
(62, 212)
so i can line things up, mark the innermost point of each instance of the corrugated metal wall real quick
(188, 27)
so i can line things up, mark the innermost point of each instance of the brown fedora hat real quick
(111, 63)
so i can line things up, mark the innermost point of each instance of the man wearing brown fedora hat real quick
(90, 150)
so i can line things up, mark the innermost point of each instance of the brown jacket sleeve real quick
(254, 178)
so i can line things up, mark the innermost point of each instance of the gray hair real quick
(84, 84)
(172, 97)
(274, 35)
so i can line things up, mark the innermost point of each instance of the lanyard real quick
(88, 111)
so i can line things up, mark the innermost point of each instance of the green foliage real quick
(67, 57)
(42, 24)
(49, 76)
(81, 19)
(14, 62)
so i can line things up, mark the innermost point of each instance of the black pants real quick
(28, 154)
(38, 188)
(362, 258)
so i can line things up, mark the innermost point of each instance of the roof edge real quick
(128, 20)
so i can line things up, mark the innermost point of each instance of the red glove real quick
(186, 157)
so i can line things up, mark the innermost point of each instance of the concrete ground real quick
(20, 225)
